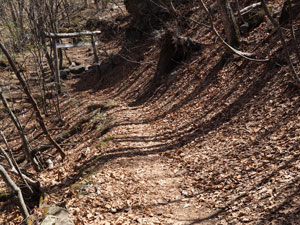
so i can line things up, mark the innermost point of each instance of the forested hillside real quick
(149, 112)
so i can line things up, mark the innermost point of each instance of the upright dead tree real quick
(229, 22)
(38, 114)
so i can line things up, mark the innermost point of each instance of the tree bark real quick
(30, 183)
(231, 28)
(85, 4)
(39, 117)
(16, 190)
(285, 48)
(27, 149)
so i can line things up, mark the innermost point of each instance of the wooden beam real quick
(71, 45)
(71, 35)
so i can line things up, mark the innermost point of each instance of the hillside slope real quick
(214, 140)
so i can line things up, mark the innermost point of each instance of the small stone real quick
(64, 74)
(3, 64)
(50, 163)
(34, 74)
(77, 69)
(58, 216)
(113, 210)
(48, 95)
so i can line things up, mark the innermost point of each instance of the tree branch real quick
(16, 189)
(39, 117)
(286, 52)
(239, 53)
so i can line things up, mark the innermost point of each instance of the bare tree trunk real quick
(96, 2)
(231, 28)
(85, 4)
(239, 10)
(6, 157)
(27, 149)
(12, 11)
(20, 17)
(16, 190)
(39, 117)
(16, 10)
(285, 49)
(16, 170)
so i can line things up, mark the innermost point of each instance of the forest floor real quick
(216, 141)
(134, 182)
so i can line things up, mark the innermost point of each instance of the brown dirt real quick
(216, 142)
(136, 184)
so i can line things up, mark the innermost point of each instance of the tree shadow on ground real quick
(114, 69)
(286, 218)
(210, 79)
(185, 133)
(181, 139)
(173, 51)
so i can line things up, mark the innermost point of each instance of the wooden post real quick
(57, 73)
(96, 58)
(61, 58)
(56, 36)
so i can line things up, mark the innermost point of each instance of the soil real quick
(137, 184)
(214, 141)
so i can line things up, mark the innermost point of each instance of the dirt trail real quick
(138, 185)
(152, 184)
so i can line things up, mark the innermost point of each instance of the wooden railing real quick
(55, 37)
